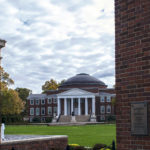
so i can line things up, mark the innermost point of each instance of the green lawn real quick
(87, 135)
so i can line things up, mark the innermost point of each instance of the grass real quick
(87, 135)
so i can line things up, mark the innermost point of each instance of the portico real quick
(77, 101)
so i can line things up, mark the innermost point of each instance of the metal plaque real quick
(139, 118)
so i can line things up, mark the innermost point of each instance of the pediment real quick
(76, 92)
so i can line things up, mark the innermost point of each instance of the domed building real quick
(83, 96)
(82, 80)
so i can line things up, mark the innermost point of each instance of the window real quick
(108, 109)
(37, 102)
(32, 102)
(108, 98)
(43, 101)
(102, 99)
(55, 110)
(55, 100)
(49, 101)
(102, 117)
(43, 111)
(37, 111)
(50, 110)
(102, 109)
(31, 111)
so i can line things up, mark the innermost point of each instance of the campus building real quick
(83, 95)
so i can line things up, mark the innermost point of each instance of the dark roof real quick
(84, 79)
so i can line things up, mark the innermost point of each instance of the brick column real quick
(132, 27)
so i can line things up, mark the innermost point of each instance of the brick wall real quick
(43, 144)
(132, 25)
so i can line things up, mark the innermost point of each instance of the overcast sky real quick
(57, 39)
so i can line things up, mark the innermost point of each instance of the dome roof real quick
(83, 79)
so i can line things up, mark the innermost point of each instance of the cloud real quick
(57, 39)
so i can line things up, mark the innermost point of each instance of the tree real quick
(5, 79)
(23, 94)
(10, 103)
(51, 85)
(61, 82)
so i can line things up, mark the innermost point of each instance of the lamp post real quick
(2, 44)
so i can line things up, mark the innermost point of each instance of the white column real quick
(65, 106)
(79, 107)
(71, 105)
(86, 106)
(93, 105)
(58, 106)
(0, 135)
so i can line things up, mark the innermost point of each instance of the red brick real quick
(58, 144)
(132, 28)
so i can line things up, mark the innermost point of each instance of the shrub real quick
(99, 146)
(79, 148)
(12, 118)
(111, 118)
(36, 120)
(48, 119)
(75, 147)
(105, 149)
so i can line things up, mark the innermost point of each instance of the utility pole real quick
(2, 44)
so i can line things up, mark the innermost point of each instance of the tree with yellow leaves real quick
(51, 85)
(10, 103)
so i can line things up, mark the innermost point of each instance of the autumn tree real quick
(51, 85)
(23, 94)
(10, 103)
(5, 79)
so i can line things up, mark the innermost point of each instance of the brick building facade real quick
(132, 23)
(82, 94)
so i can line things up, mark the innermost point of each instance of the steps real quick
(65, 118)
(81, 118)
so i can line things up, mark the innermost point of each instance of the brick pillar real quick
(132, 27)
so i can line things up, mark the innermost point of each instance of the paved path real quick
(21, 137)
(74, 124)
(14, 138)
